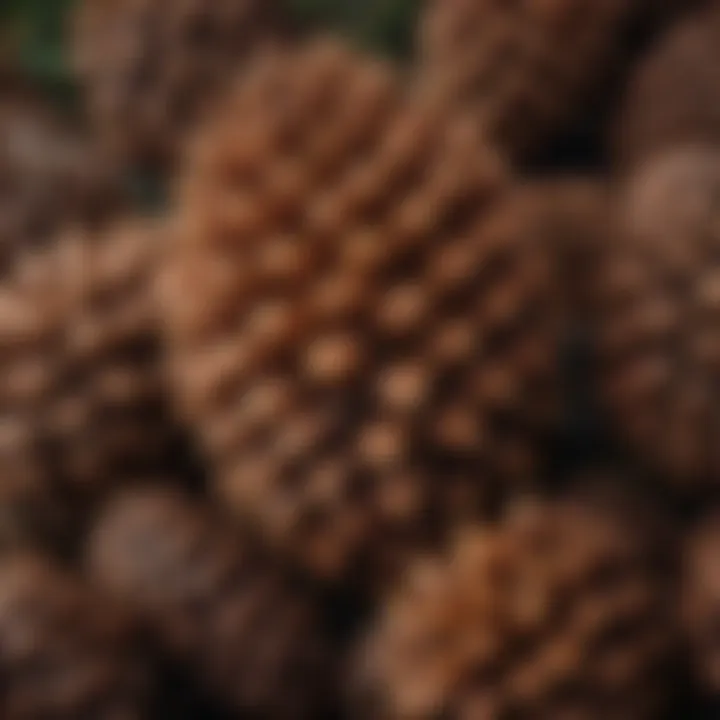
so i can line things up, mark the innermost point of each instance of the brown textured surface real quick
(64, 652)
(31, 514)
(360, 345)
(250, 636)
(82, 390)
(49, 176)
(150, 67)
(659, 338)
(673, 96)
(525, 68)
(701, 602)
(570, 217)
(557, 613)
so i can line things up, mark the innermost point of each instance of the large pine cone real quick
(659, 312)
(673, 96)
(252, 638)
(150, 68)
(82, 393)
(526, 68)
(49, 177)
(701, 602)
(558, 613)
(65, 652)
(359, 343)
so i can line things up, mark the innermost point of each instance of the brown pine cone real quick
(82, 397)
(251, 637)
(361, 347)
(701, 602)
(659, 308)
(65, 653)
(525, 68)
(673, 96)
(150, 68)
(558, 613)
(49, 177)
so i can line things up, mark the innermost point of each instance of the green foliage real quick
(35, 29)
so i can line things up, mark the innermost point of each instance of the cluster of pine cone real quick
(403, 406)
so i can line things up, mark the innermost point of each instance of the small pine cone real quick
(358, 343)
(82, 398)
(250, 636)
(525, 68)
(673, 96)
(151, 67)
(701, 603)
(659, 309)
(557, 613)
(49, 177)
(64, 651)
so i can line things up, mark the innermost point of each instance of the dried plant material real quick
(526, 69)
(659, 308)
(66, 652)
(248, 635)
(701, 602)
(557, 613)
(571, 218)
(673, 96)
(82, 396)
(50, 177)
(151, 68)
(365, 347)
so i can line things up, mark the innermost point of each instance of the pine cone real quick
(557, 613)
(150, 68)
(82, 390)
(360, 346)
(64, 652)
(659, 309)
(701, 602)
(251, 637)
(49, 177)
(673, 96)
(526, 68)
